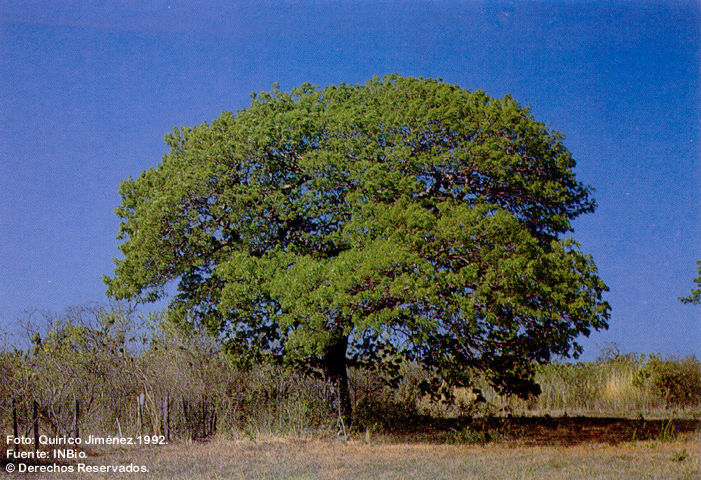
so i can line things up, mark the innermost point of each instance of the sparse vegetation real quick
(95, 359)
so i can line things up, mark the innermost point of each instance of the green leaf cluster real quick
(694, 297)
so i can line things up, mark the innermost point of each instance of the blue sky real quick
(87, 93)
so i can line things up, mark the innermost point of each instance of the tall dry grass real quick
(629, 385)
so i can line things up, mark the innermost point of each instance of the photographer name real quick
(89, 440)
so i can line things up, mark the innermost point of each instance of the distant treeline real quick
(91, 371)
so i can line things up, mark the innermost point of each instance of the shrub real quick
(676, 382)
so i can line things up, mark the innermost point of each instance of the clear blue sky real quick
(87, 93)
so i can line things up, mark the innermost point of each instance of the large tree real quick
(337, 225)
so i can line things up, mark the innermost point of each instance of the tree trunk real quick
(335, 370)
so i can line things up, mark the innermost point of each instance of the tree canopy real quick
(355, 223)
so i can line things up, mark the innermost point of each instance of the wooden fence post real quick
(203, 424)
(140, 413)
(76, 418)
(213, 423)
(14, 422)
(188, 430)
(35, 422)
(166, 406)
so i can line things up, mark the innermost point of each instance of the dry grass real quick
(293, 458)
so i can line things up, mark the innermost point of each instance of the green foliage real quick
(471, 435)
(695, 296)
(403, 217)
(680, 456)
(668, 432)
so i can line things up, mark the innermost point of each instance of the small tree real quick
(353, 224)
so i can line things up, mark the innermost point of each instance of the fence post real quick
(76, 417)
(213, 422)
(204, 417)
(139, 413)
(188, 430)
(14, 422)
(35, 422)
(166, 430)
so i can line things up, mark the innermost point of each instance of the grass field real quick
(552, 449)
(279, 458)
